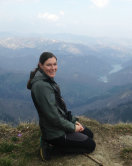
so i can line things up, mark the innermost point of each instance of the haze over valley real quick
(94, 75)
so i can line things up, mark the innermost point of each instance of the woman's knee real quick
(90, 144)
(93, 146)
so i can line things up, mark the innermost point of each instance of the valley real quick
(94, 80)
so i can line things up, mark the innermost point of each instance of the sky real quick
(94, 18)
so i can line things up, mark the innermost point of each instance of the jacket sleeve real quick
(74, 119)
(45, 98)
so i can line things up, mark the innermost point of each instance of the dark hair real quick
(43, 57)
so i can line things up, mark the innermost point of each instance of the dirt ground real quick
(113, 146)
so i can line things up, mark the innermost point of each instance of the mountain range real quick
(95, 78)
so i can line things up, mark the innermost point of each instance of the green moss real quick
(5, 162)
(125, 153)
(6, 147)
(14, 139)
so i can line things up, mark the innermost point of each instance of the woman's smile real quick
(49, 67)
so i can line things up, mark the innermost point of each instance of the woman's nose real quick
(52, 67)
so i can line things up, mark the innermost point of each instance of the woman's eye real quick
(55, 64)
(48, 64)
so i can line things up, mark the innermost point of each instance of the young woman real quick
(58, 126)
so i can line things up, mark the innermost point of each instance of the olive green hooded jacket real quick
(52, 119)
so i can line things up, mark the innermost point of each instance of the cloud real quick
(61, 12)
(50, 17)
(100, 3)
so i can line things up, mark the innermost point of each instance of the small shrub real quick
(5, 162)
(6, 147)
(13, 156)
(14, 139)
(125, 153)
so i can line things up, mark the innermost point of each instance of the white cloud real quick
(100, 3)
(48, 17)
(62, 13)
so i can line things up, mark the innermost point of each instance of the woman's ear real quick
(40, 65)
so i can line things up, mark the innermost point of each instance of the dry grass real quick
(19, 146)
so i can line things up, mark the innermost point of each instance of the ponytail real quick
(32, 74)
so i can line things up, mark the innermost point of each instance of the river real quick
(115, 68)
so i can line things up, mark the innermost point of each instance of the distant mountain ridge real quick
(84, 74)
(112, 107)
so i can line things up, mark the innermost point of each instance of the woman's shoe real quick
(44, 150)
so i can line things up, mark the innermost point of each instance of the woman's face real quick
(49, 67)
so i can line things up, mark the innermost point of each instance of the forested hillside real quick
(95, 79)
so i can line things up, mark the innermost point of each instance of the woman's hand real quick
(78, 127)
